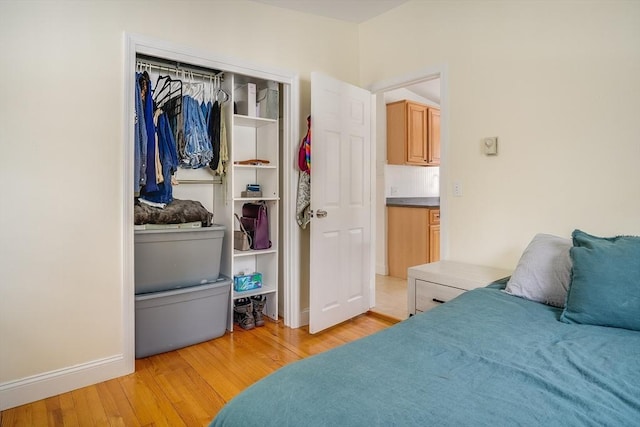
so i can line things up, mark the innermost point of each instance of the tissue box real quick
(247, 282)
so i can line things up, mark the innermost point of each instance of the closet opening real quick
(253, 139)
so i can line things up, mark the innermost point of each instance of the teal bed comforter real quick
(484, 359)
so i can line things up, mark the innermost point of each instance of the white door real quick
(341, 157)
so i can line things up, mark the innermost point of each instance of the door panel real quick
(340, 270)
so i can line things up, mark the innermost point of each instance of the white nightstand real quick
(435, 283)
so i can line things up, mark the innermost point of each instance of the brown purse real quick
(241, 238)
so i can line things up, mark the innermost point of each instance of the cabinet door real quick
(434, 243)
(407, 239)
(396, 133)
(433, 141)
(417, 149)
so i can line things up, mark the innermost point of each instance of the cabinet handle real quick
(439, 301)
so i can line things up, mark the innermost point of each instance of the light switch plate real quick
(490, 146)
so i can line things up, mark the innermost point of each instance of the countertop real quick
(415, 202)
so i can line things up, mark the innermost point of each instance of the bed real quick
(489, 357)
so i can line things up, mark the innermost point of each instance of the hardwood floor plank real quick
(112, 389)
(54, 411)
(89, 406)
(187, 387)
(69, 414)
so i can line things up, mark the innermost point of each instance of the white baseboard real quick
(41, 386)
(304, 317)
(381, 269)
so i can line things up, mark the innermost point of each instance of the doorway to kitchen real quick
(405, 182)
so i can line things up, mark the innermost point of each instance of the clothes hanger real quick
(225, 95)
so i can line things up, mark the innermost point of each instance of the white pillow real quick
(543, 273)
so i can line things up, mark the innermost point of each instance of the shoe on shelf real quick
(243, 313)
(259, 301)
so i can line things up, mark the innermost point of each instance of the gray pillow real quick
(543, 273)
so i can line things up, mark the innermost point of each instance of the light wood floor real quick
(187, 387)
(391, 297)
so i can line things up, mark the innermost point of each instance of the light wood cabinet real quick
(433, 140)
(434, 243)
(410, 239)
(434, 235)
(413, 134)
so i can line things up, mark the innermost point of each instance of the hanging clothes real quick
(169, 164)
(198, 152)
(178, 132)
(140, 141)
(303, 199)
(145, 86)
(159, 174)
(304, 153)
(214, 134)
(221, 170)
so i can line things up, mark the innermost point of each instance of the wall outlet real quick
(394, 190)
(457, 189)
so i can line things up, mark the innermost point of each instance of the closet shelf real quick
(260, 291)
(255, 166)
(255, 199)
(253, 122)
(252, 252)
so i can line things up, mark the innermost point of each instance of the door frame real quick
(298, 318)
(139, 44)
(398, 82)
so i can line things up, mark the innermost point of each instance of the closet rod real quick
(179, 68)
(200, 181)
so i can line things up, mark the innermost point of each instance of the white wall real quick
(557, 82)
(526, 72)
(61, 133)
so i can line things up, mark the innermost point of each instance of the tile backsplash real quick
(412, 181)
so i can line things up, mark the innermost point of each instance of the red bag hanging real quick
(304, 153)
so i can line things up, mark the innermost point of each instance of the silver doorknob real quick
(320, 213)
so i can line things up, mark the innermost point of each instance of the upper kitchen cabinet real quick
(433, 138)
(413, 134)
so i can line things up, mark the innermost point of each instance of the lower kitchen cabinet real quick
(413, 238)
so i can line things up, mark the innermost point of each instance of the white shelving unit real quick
(254, 138)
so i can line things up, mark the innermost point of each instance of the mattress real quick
(484, 358)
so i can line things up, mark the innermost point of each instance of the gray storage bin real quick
(178, 318)
(175, 258)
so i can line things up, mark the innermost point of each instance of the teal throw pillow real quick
(605, 281)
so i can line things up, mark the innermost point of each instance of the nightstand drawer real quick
(429, 295)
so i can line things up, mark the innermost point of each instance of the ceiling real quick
(429, 89)
(357, 11)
